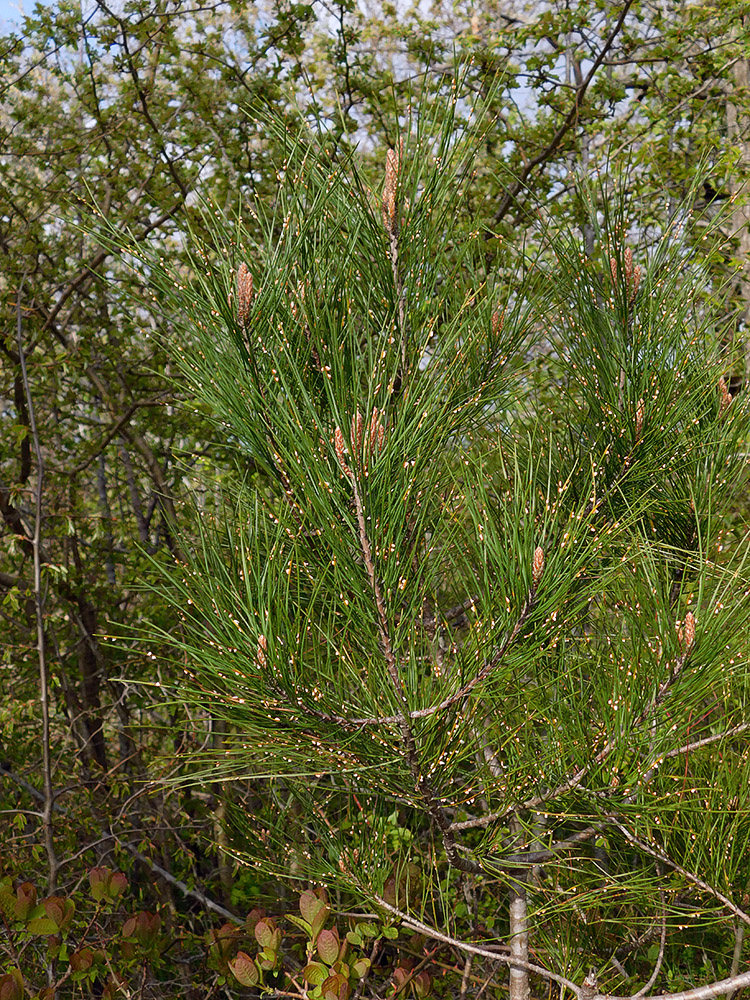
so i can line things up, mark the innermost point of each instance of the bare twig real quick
(706, 741)
(700, 993)
(659, 854)
(485, 984)
(201, 897)
(473, 949)
(739, 937)
(660, 957)
(36, 542)
(114, 429)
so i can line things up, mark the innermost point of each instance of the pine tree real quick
(473, 614)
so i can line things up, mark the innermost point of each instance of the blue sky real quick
(9, 11)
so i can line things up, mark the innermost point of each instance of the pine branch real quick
(425, 713)
(696, 880)
(701, 993)
(484, 821)
(575, 781)
(422, 783)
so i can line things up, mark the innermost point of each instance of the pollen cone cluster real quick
(537, 566)
(244, 294)
(390, 192)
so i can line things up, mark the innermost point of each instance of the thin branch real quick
(184, 889)
(706, 741)
(423, 785)
(114, 429)
(473, 949)
(526, 859)
(122, 24)
(89, 270)
(401, 989)
(5, 768)
(36, 542)
(196, 894)
(568, 121)
(424, 713)
(700, 993)
(482, 822)
(660, 957)
(657, 853)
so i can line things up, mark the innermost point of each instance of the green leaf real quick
(311, 905)
(361, 967)
(328, 946)
(299, 922)
(42, 925)
(244, 969)
(315, 973)
(267, 934)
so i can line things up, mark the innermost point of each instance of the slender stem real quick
(423, 785)
(739, 937)
(660, 957)
(36, 542)
(473, 949)
(518, 925)
(466, 977)
(690, 876)
(519, 931)
(700, 993)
